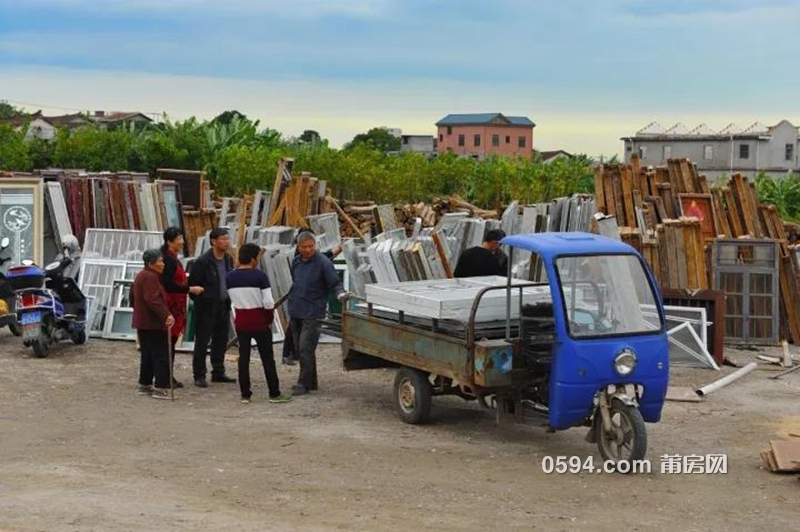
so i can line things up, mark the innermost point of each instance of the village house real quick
(45, 127)
(484, 134)
(733, 149)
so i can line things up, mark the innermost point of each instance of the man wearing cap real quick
(487, 259)
(313, 278)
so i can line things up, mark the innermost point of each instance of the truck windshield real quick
(606, 295)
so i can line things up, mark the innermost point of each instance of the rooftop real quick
(655, 131)
(479, 119)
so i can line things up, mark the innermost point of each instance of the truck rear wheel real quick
(412, 395)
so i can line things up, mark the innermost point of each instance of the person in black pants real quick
(152, 319)
(251, 297)
(313, 278)
(289, 357)
(212, 308)
(174, 280)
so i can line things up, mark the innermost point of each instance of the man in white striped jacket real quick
(251, 299)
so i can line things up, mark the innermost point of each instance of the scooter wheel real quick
(40, 349)
(79, 338)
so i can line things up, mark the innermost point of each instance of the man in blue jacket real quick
(314, 277)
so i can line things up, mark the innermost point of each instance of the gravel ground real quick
(79, 450)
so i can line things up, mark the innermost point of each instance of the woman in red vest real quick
(174, 280)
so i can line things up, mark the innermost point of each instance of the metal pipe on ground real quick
(721, 383)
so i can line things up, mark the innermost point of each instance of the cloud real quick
(293, 8)
(692, 8)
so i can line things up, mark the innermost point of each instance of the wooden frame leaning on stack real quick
(700, 206)
(22, 217)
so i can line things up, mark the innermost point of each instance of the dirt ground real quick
(79, 450)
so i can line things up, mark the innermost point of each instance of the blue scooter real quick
(50, 306)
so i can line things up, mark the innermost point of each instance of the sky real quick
(587, 72)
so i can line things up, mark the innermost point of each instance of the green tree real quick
(226, 117)
(8, 111)
(782, 192)
(378, 138)
(14, 151)
(310, 136)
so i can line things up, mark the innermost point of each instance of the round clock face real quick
(17, 219)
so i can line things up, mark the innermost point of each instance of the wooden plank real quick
(636, 164)
(276, 218)
(717, 202)
(619, 201)
(690, 249)
(343, 215)
(626, 181)
(663, 256)
(682, 394)
(661, 211)
(788, 286)
(652, 182)
(752, 197)
(703, 184)
(608, 191)
(675, 176)
(702, 258)
(734, 213)
(672, 278)
(741, 197)
(599, 189)
(680, 255)
(284, 168)
(665, 192)
(637, 199)
(786, 454)
(688, 176)
(437, 242)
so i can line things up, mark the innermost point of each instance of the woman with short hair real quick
(175, 284)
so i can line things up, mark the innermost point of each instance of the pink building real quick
(483, 134)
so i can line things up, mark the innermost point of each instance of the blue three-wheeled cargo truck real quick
(584, 345)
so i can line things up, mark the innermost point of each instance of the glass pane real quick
(122, 322)
(605, 295)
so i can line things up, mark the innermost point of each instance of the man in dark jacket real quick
(484, 260)
(313, 277)
(212, 308)
(152, 319)
(289, 351)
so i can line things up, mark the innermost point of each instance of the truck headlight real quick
(625, 362)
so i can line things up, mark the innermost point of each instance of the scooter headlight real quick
(625, 362)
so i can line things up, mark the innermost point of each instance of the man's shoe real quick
(299, 389)
(145, 390)
(289, 361)
(177, 384)
(223, 378)
(280, 399)
(159, 393)
(245, 400)
(201, 383)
